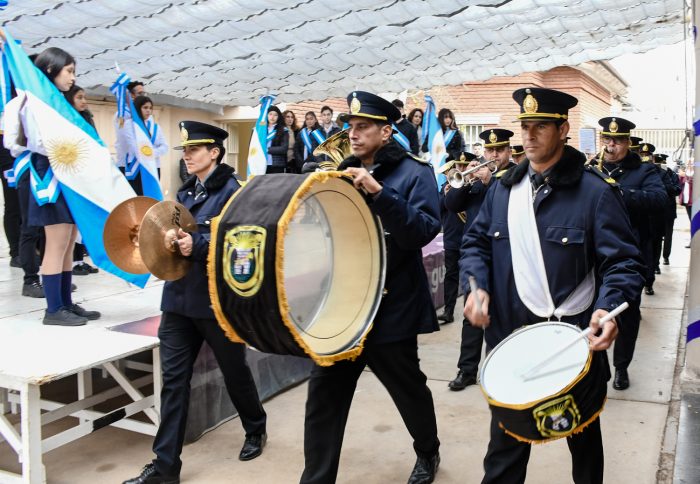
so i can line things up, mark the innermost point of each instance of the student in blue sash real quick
(277, 141)
(307, 141)
(144, 108)
(406, 136)
(59, 67)
(454, 142)
(290, 121)
(415, 117)
(76, 97)
(121, 146)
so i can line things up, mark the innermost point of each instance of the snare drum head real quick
(502, 373)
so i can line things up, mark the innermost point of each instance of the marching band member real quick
(551, 233)
(404, 195)
(643, 193)
(517, 152)
(188, 319)
(54, 215)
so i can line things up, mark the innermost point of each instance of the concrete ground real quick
(377, 447)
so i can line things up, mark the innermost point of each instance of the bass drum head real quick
(501, 375)
(333, 267)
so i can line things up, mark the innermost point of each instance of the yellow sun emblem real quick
(253, 151)
(66, 155)
(146, 150)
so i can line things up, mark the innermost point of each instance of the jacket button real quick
(206, 222)
(189, 193)
(564, 240)
(497, 234)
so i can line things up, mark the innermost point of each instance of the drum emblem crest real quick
(558, 417)
(243, 259)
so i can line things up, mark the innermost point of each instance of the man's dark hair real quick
(132, 85)
(326, 108)
(398, 103)
(477, 144)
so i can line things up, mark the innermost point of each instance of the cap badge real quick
(645, 147)
(613, 126)
(355, 104)
(530, 104)
(184, 135)
(493, 137)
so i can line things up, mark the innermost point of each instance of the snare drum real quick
(559, 400)
(297, 266)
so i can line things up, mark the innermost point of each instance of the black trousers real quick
(30, 238)
(668, 236)
(470, 349)
(332, 388)
(451, 279)
(628, 326)
(506, 459)
(647, 248)
(180, 340)
(658, 231)
(11, 219)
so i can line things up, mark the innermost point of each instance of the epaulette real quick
(500, 173)
(417, 158)
(601, 175)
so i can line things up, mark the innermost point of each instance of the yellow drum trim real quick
(524, 406)
(282, 226)
(578, 429)
(211, 273)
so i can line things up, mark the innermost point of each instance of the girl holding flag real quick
(454, 143)
(144, 109)
(47, 207)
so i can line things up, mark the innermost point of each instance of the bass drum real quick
(559, 400)
(297, 266)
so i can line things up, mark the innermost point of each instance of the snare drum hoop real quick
(353, 348)
(525, 406)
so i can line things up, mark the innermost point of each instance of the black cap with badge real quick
(616, 127)
(196, 133)
(367, 105)
(496, 137)
(539, 104)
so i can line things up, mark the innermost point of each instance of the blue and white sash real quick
(401, 138)
(20, 165)
(449, 134)
(152, 127)
(131, 167)
(46, 189)
(308, 146)
(319, 135)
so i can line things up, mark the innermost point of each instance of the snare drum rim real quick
(525, 406)
(357, 345)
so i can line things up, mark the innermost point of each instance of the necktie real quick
(199, 191)
(537, 181)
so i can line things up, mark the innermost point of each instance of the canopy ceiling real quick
(230, 52)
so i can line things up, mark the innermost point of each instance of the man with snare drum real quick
(552, 237)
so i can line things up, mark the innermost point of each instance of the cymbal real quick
(121, 234)
(158, 232)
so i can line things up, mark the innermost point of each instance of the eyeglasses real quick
(612, 141)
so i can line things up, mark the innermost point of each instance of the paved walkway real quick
(377, 447)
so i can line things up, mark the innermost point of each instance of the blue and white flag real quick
(437, 154)
(145, 155)
(257, 153)
(122, 95)
(80, 161)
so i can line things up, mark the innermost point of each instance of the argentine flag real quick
(437, 154)
(257, 153)
(146, 156)
(80, 161)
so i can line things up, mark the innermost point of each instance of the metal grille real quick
(471, 134)
(666, 141)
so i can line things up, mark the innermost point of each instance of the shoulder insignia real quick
(417, 158)
(601, 175)
(500, 173)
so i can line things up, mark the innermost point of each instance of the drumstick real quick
(474, 289)
(532, 372)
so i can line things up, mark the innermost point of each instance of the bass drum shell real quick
(297, 266)
(560, 399)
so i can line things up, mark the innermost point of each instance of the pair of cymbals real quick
(140, 236)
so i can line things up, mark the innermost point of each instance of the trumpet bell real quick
(455, 178)
(337, 148)
(121, 234)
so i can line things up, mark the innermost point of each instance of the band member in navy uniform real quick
(643, 194)
(574, 219)
(188, 319)
(673, 188)
(452, 231)
(403, 193)
(517, 153)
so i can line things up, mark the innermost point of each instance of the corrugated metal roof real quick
(229, 52)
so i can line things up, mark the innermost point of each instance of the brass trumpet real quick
(457, 179)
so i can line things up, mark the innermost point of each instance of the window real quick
(471, 134)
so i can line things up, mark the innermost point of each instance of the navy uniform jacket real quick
(409, 209)
(452, 224)
(582, 225)
(642, 190)
(189, 296)
(672, 185)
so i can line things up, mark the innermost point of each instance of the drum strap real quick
(529, 270)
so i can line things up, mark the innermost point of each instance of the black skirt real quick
(50, 213)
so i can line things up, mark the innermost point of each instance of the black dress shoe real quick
(649, 291)
(33, 289)
(462, 381)
(425, 469)
(622, 380)
(15, 262)
(77, 309)
(665, 261)
(149, 475)
(252, 447)
(63, 317)
(446, 317)
(657, 271)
